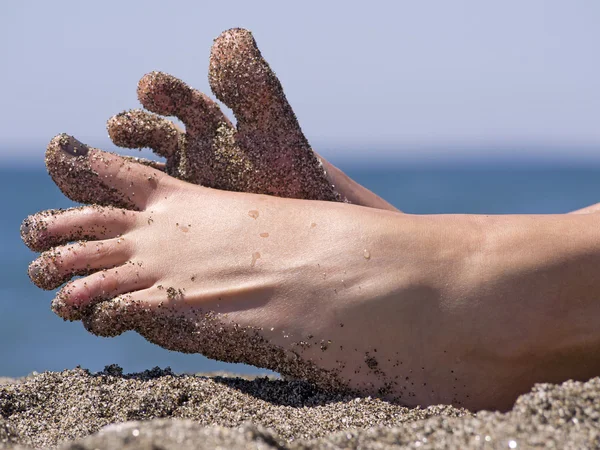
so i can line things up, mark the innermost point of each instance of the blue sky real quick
(397, 79)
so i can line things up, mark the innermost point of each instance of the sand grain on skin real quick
(268, 131)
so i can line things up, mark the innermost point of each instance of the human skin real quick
(462, 309)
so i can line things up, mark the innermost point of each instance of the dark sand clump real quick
(78, 409)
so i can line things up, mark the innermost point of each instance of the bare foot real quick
(266, 153)
(470, 310)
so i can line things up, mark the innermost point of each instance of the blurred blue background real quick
(463, 106)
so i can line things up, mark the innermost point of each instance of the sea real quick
(33, 339)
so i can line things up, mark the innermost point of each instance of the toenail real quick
(62, 309)
(57, 305)
(25, 227)
(73, 147)
(34, 271)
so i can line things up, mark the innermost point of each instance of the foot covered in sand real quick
(266, 153)
(470, 310)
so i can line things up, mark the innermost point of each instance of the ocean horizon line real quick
(375, 156)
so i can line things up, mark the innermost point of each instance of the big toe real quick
(88, 175)
(68, 163)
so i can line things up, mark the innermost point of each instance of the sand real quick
(159, 409)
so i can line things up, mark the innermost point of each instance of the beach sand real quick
(76, 409)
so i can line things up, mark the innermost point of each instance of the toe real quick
(268, 131)
(88, 175)
(164, 94)
(140, 129)
(78, 297)
(56, 266)
(112, 317)
(155, 315)
(241, 78)
(123, 313)
(51, 228)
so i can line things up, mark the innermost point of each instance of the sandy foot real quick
(409, 308)
(265, 153)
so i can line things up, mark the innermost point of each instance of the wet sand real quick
(78, 409)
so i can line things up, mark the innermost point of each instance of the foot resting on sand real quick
(469, 310)
(266, 152)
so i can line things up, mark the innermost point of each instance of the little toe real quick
(88, 175)
(58, 265)
(123, 313)
(78, 297)
(47, 229)
(141, 129)
(164, 94)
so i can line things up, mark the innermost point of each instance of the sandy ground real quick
(76, 409)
